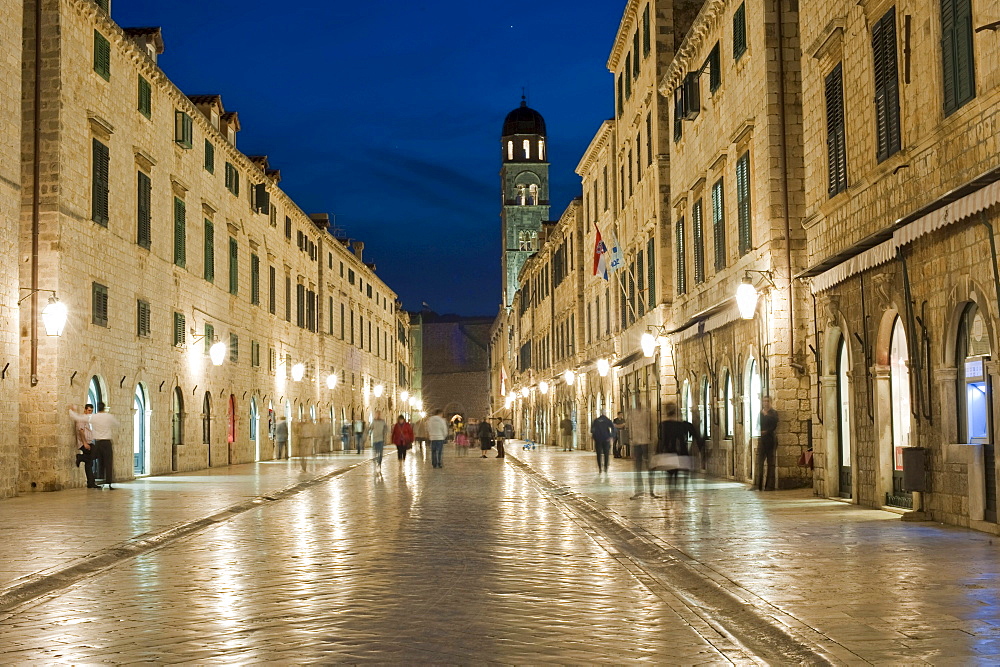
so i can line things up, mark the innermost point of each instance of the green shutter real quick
(209, 157)
(836, 142)
(957, 54)
(142, 319)
(99, 307)
(739, 31)
(651, 268)
(719, 224)
(886, 85)
(697, 221)
(180, 233)
(635, 55)
(99, 194)
(145, 97)
(640, 278)
(645, 31)
(254, 279)
(102, 55)
(183, 129)
(143, 201)
(180, 332)
(209, 337)
(681, 257)
(234, 277)
(209, 250)
(714, 63)
(234, 348)
(743, 203)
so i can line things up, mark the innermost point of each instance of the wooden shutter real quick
(209, 250)
(635, 55)
(102, 55)
(719, 224)
(209, 157)
(272, 297)
(743, 203)
(678, 112)
(99, 194)
(640, 278)
(142, 319)
(697, 220)
(145, 97)
(739, 31)
(180, 233)
(180, 332)
(957, 53)
(234, 348)
(234, 275)
(836, 143)
(254, 279)
(714, 68)
(99, 308)
(651, 269)
(680, 257)
(645, 31)
(209, 337)
(886, 85)
(143, 201)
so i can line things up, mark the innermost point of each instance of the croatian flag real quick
(600, 263)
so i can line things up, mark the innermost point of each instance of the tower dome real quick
(523, 120)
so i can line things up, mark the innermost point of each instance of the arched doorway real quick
(975, 399)
(206, 424)
(899, 397)
(844, 428)
(176, 427)
(140, 431)
(291, 429)
(751, 402)
(95, 392)
(230, 428)
(255, 428)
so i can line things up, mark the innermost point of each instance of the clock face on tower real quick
(524, 182)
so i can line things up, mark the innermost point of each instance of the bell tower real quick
(524, 182)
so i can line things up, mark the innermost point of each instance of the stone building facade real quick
(163, 239)
(902, 123)
(454, 366)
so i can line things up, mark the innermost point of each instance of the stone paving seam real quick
(754, 627)
(46, 582)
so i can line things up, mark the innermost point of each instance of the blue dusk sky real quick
(387, 114)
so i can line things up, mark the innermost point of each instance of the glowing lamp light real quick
(508, 402)
(423, 414)
(603, 366)
(217, 353)
(746, 299)
(648, 343)
(379, 390)
(569, 376)
(331, 380)
(54, 317)
(298, 370)
(543, 387)
(525, 391)
(404, 396)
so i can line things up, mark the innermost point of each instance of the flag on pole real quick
(616, 258)
(600, 263)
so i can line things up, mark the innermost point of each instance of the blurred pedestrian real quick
(767, 445)
(673, 438)
(281, 436)
(641, 426)
(621, 442)
(402, 437)
(359, 435)
(500, 440)
(485, 435)
(420, 433)
(602, 431)
(85, 441)
(471, 431)
(379, 432)
(104, 424)
(345, 436)
(437, 432)
(566, 431)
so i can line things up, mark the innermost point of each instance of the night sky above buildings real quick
(387, 114)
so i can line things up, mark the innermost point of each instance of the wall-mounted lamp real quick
(524, 392)
(543, 387)
(331, 380)
(298, 370)
(54, 314)
(378, 391)
(404, 396)
(216, 351)
(603, 366)
(569, 376)
(746, 293)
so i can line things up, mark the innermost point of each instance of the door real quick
(844, 421)
(176, 428)
(899, 383)
(139, 431)
(255, 428)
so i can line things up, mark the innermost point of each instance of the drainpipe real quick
(993, 253)
(36, 131)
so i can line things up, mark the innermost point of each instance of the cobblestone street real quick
(533, 559)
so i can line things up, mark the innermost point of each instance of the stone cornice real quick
(703, 26)
(630, 18)
(601, 139)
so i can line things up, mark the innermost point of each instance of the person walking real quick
(85, 442)
(602, 431)
(104, 424)
(345, 436)
(485, 436)
(621, 442)
(281, 436)
(437, 432)
(402, 437)
(359, 435)
(640, 423)
(469, 436)
(566, 431)
(767, 445)
(673, 436)
(420, 434)
(501, 441)
(379, 432)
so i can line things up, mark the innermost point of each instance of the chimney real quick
(359, 247)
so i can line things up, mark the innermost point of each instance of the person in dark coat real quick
(673, 437)
(602, 430)
(767, 445)
(485, 437)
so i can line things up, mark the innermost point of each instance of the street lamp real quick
(404, 396)
(379, 389)
(525, 391)
(603, 366)
(217, 353)
(298, 370)
(331, 380)
(746, 298)
(648, 343)
(54, 317)
(569, 376)
(543, 387)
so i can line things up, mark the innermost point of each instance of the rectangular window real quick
(836, 141)
(145, 104)
(681, 257)
(621, 94)
(957, 56)
(142, 325)
(180, 233)
(254, 279)
(651, 269)
(288, 298)
(698, 232)
(739, 31)
(102, 55)
(273, 216)
(605, 187)
(640, 280)
(719, 224)
(183, 130)
(714, 64)
(329, 315)
(678, 113)
(638, 156)
(341, 321)
(649, 139)
(254, 354)
(209, 338)
(209, 156)
(886, 85)
(234, 267)
(99, 310)
(99, 192)
(628, 79)
(288, 228)
(144, 195)
(180, 330)
(272, 297)
(234, 348)
(232, 179)
(743, 203)
(635, 53)
(645, 31)
(209, 250)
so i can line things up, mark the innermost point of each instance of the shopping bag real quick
(664, 462)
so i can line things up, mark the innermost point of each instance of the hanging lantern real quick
(648, 343)
(603, 366)
(217, 353)
(298, 370)
(54, 317)
(569, 376)
(746, 299)
(331, 380)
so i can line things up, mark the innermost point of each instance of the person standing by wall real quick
(359, 435)
(566, 433)
(85, 441)
(767, 445)
(402, 437)
(640, 423)
(104, 424)
(281, 437)
(379, 432)
(602, 430)
(437, 431)
(621, 446)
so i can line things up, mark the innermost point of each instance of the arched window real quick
(231, 420)
(730, 400)
(844, 418)
(510, 150)
(899, 376)
(972, 353)
(753, 397)
(254, 418)
(176, 425)
(522, 197)
(527, 149)
(95, 393)
(206, 419)
(706, 407)
(532, 195)
(686, 401)
(541, 149)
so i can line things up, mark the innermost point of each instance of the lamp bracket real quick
(768, 276)
(35, 291)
